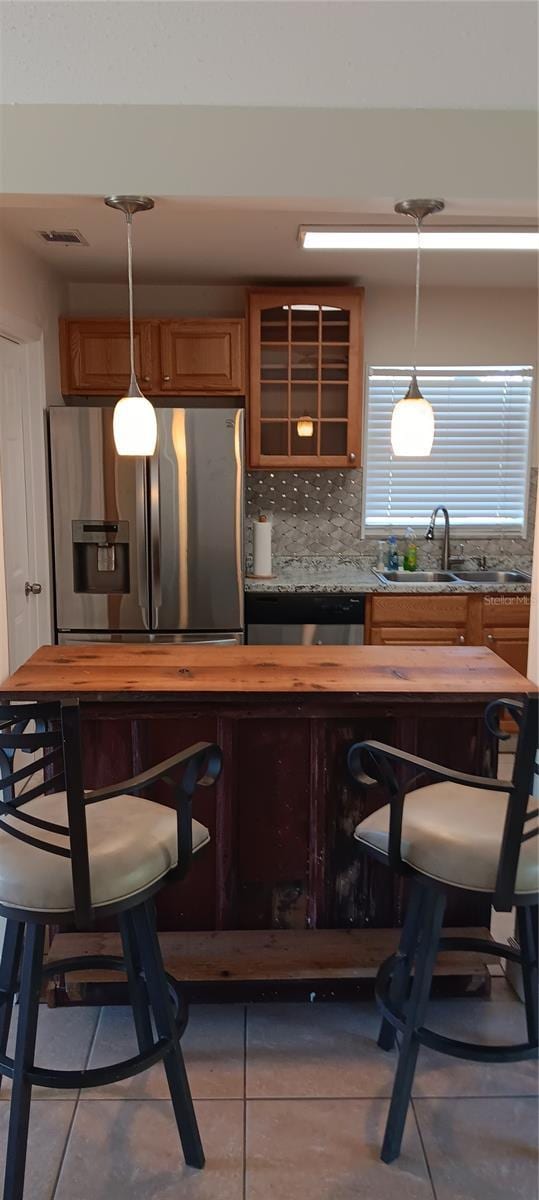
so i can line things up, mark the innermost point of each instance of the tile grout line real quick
(75, 1108)
(244, 1180)
(425, 1156)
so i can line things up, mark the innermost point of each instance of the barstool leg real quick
(150, 952)
(402, 968)
(433, 912)
(528, 941)
(9, 969)
(19, 1117)
(138, 992)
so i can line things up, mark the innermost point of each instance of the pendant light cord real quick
(417, 277)
(129, 219)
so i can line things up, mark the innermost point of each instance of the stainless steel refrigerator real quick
(148, 549)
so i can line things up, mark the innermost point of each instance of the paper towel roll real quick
(262, 547)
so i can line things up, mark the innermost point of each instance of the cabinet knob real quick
(166, 378)
(490, 637)
(146, 378)
(461, 637)
(32, 589)
(351, 456)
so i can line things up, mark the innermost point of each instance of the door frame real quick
(30, 339)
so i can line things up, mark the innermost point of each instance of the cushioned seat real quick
(132, 843)
(454, 834)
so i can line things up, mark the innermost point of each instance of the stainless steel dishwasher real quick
(304, 619)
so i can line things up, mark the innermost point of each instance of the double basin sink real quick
(453, 576)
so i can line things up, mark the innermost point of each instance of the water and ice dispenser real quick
(101, 557)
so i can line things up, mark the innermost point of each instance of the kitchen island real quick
(281, 818)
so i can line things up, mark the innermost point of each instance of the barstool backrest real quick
(521, 822)
(55, 746)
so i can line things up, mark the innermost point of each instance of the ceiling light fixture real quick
(412, 420)
(356, 238)
(134, 420)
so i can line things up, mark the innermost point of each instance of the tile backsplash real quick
(319, 513)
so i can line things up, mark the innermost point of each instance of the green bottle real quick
(410, 552)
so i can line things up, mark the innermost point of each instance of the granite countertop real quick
(346, 576)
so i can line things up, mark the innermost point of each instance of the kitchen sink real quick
(417, 576)
(493, 577)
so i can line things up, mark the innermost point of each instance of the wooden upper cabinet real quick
(306, 376)
(172, 357)
(94, 356)
(202, 356)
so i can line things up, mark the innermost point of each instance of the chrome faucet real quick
(446, 543)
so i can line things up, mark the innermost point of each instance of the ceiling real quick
(252, 242)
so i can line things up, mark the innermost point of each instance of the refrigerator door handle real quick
(155, 537)
(141, 542)
(233, 640)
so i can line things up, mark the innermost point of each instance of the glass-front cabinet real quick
(306, 377)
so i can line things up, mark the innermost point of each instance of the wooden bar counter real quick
(281, 818)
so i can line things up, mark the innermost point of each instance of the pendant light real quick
(412, 421)
(134, 421)
(305, 427)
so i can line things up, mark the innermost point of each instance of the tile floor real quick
(291, 1100)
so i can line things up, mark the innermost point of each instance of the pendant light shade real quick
(412, 421)
(134, 422)
(305, 427)
(412, 424)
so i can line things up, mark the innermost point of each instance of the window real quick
(479, 463)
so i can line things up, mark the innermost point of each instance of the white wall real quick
(31, 300)
(456, 325)
(156, 300)
(533, 649)
(30, 292)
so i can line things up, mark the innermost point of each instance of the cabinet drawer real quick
(421, 611)
(416, 635)
(503, 610)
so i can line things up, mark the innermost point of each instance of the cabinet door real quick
(306, 377)
(417, 635)
(511, 644)
(95, 357)
(202, 357)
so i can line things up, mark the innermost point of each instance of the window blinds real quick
(479, 464)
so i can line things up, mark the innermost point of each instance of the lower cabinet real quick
(416, 620)
(499, 621)
(505, 627)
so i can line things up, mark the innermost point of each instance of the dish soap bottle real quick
(392, 553)
(410, 551)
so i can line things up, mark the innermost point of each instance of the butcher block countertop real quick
(128, 671)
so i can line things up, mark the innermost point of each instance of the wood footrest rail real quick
(279, 956)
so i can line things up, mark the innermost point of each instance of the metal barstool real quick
(67, 857)
(466, 832)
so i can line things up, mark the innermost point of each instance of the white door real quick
(24, 509)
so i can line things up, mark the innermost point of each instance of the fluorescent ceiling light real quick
(312, 238)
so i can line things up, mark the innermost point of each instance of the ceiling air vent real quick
(62, 237)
